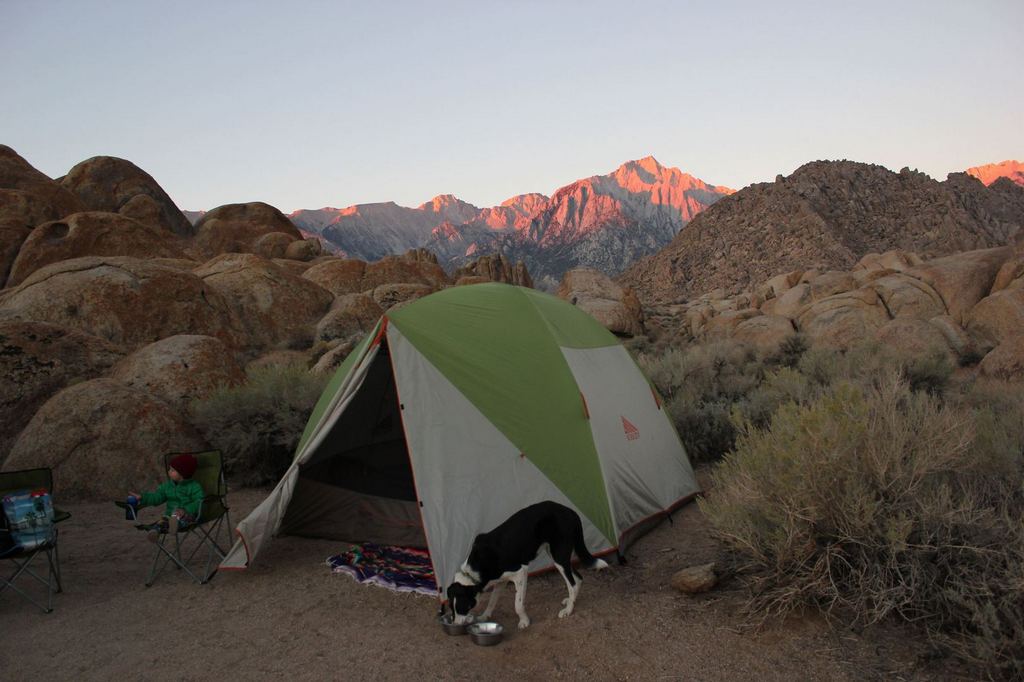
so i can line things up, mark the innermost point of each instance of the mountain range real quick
(604, 221)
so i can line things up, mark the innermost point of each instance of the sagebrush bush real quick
(875, 500)
(257, 425)
(700, 385)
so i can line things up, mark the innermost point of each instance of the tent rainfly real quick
(465, 406)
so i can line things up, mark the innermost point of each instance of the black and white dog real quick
(505, 552)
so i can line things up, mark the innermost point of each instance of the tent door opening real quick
(358, 487)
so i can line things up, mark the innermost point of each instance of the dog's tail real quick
(586, 558)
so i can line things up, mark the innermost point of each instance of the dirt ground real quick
(289, 615)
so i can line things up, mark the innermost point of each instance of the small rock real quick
(695, 579)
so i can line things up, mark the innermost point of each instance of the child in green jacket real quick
(182, 495)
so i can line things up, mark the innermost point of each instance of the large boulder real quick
(36, 361)
(180, 369)
(614, 306)
(407, 269)
(914, 336)
(779, 284)
(898, 261)
(27, 198)
(387, 296)
(93, 233)
(1005, 361)
(1010, 276)
(997, 318)
(963, 279)
(339, 276)
(235, 228)
(350, 315)
(764, 331)
(906, 296)
(106, 183)
(725, 324)
(791, 303)
(343, 276)
(102, 438)
(956, 336)
(843, 320)
(272, 245)
(126, 301)
(274, 308)
(831, 283)
(304, 249)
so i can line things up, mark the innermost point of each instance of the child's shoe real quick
(153, 535)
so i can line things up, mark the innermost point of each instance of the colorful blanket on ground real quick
(402, 569)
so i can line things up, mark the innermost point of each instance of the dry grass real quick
(258, 425)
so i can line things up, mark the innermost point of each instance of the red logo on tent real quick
(632, 433)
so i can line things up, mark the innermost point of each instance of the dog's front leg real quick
(491, 602)
(519, 580)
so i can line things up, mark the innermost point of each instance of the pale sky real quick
(336, 103)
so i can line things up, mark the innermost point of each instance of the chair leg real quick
(24, 568)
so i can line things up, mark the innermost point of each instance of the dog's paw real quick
(567, 611)
(524, 623)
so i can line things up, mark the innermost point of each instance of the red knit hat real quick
(185, 465)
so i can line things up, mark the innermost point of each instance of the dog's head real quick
(461, 600)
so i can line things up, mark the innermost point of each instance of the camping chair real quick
(212, 522)
(31, 479)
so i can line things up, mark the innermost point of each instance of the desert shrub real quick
(257, 425)
(872, 364)
(875, 500)
(779, 386)
(788, 352)
(701, 384)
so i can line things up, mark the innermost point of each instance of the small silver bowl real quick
(485, 634)
(451, 628)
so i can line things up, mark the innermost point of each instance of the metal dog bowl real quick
(485, 634)
(451, 628)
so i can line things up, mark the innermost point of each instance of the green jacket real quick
(187, 495)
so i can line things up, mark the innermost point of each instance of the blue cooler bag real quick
(30, 517)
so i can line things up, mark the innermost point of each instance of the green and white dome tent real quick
(465, 406)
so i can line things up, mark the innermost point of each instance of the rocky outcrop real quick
(996, 318)
(235, 228)
(845, 319)
(93, 233)
(342, 276)
(36, 361)
(495, 269)
(27, 198)
(914, 336)
(106, 183)
(126, 301)
(102, 438)
(826, 216)
(180, 369)
(964, 279)
(272, 307)
(613, 306)
(1006, 361)
(350, 315)
(764, 331)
